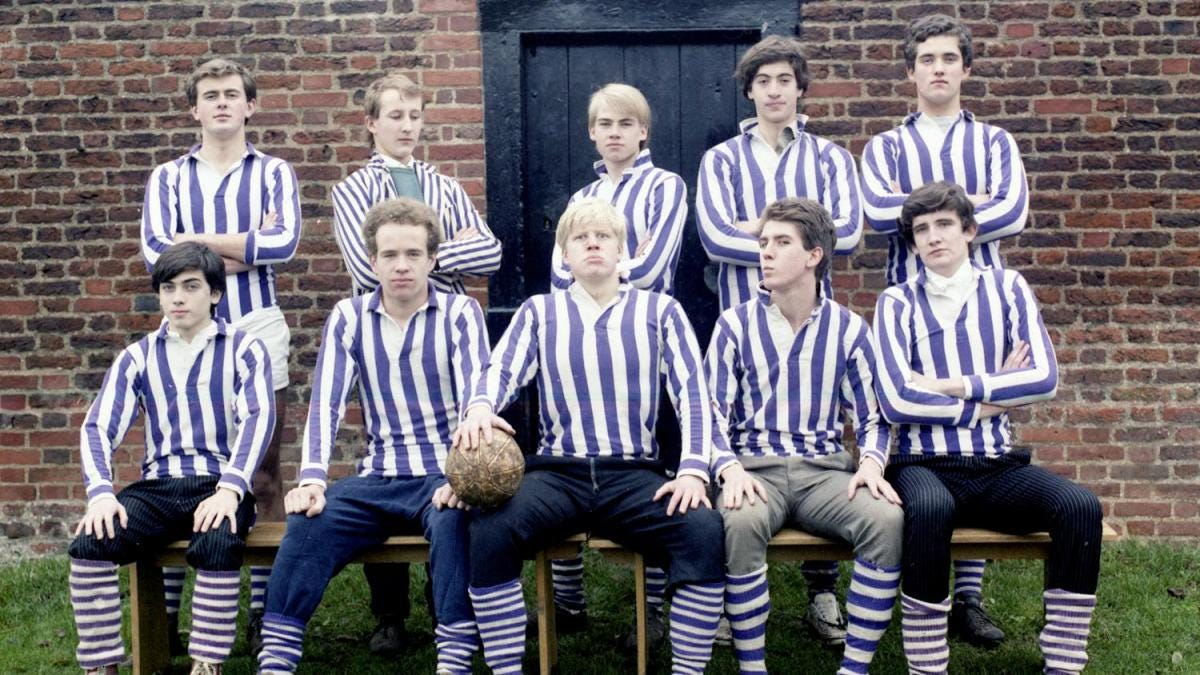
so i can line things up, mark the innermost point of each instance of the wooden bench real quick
(788, 545)
(148, 608)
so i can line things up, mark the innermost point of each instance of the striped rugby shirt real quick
(733, 186)
(654, 203)
(412, 380)
(979, 157)
(258, 185)
(368, 186)
(1001, 311)
(598, 381)
(217, 422)
(784, 392)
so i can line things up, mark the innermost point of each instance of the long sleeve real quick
(720, 364)
(1003, 215)
(158, 214)
(1039, 380)
(880, 178)
(667, 213)
(841, 197)
(254, 415)
(351, 200)
(900, 400)
(108, 420)
(469, 351)
(276, 244)
(476, 256)
(333, 380)
(717, 213)
(513, 362)
(858, 400)
(684, 370)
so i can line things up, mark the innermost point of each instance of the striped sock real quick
(567, 575)
(747, 604)
(500, 613)
(456, 643)
(173, 588)
(96, 601)
(656, 589)
(820, 575)
(214, 615)
(283, 642)
(258, 588)
(968, 578)
(1065, 636)
(695, 611)
(923, 625)
(869, 605)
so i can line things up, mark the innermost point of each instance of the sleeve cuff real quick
(973, 387)
(234, 483)
(100, 492)
(694, 468)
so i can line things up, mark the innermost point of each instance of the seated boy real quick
(599, 350)
(959, 346)
(783, 368)
(205, 389)
(413, 352)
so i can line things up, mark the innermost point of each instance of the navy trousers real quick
(360, 512)
(160, 511)
(611, 498)
(1005, 494)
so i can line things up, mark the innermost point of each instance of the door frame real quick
(505, 28)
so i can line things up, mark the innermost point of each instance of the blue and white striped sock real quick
(656, 589)
(748, 604)
(456, 643)
(695, 611)
(869, 604)
(500, 613)
(96, 602)
(923, 626)
(259, 576)
(567, 575)
(173, 588)
(283, 643)
(968, 578)
(214, 615)
(820, 575)
(1068, 623)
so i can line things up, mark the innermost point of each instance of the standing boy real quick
(243, 205)
(772, 158)
(942, 141)
(205, 390)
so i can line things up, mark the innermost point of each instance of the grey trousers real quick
(811, 494)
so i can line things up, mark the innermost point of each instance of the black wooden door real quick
(695, 104)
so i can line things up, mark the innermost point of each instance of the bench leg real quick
(547, 634)
(639, 592)
(148, 611)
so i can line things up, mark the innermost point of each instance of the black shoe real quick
(390, 638)
(970, 622)
(565, 622)
(254, 632)
(656, 632)
(174, 642)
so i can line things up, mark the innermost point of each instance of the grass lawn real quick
(1148, 621)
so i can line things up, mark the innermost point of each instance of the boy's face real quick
(775, 93)
(618, 137)
(187, 301)
(939, 72)
(592, 252)
(397, 130)
(221, 106)
(785, 262)
(401, 262)
(941, 242)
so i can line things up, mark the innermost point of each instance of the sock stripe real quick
(96, 604)
(869, 604)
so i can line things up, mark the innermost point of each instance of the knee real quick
(747, 525)
(448, 524)
(1078, 507)
(928, 509)
(882, 536)
(217, 550)
(88, 547)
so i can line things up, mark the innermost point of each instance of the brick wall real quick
(1103, 98)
